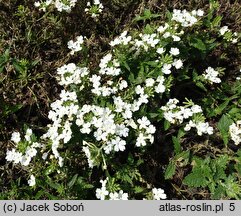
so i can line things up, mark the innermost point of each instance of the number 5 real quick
(231, 207)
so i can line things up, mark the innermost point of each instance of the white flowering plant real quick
(160, 80)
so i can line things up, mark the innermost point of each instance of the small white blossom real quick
(16, 137)
(149, 82)
(76, 45)
(235, 132)
(158, 194)
(101, 193)
(118, 196)
(31, 181)
(174, 51)
(223, 30)
(211, 75)
(160, 50)
(177, 63)
(166, 68)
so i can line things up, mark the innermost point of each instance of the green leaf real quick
(138, 189)
(201, 86)
(218, 192)
(233, 188)
(196, 179)
(126, 65)
(170, 171)
(201, 173)
(18, 67)
(198, 43)
(181, 133)
(154, 115)
(167, 125)
(216, 21)
(72, 181)
(53, 185)
(177, 145)
(219, 109)
(131, 78)
(223, 126)
(147, 15)
(39, 194)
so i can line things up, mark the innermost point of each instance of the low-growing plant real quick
(166, 79)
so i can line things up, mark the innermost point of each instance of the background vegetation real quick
(33, 45)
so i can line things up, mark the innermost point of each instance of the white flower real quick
(235, 132)
(123, 84)
(174, 51)
(203, 127)
(17, 157)
(28, 134)
(16, 137)
(177, 63)
(223, 30)
(31, 151)
(158, 194)
(185, 18)
(166, 68)
(101, 193)
(176, 38)
(10, 155)
(160, 88)
(37, 4)
(161, 29)
(167, 34)
(122, 39)
(141, 140)
(211, 75)
(25, 160)
(45, 155)
(149, 82)
(118, 196)
(150, 129)
(200, 12)
(118, 144)
(143, 122)
(114, 196)
(85, 128)
(235, 40)
(160, 50)
(139, 90)
(76, 46)
(122, 130)
(196, 109)
(31, 181)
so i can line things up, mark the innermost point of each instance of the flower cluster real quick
(235, 132)
(228, 35)
(211, 75)
(158, 194)
(177, 114)
(71, 74)
(60, 5)
(102, 193)
(202, 127)
(61, 114)
(186, 18)
(26, 154)
(109, 66)
(94, 9)
(76, 45)
(122, 39)
(108, 126)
